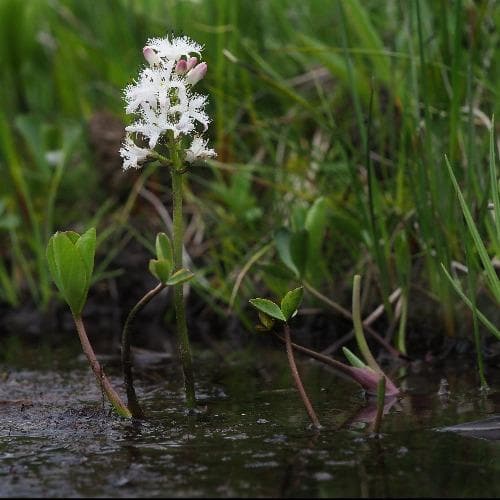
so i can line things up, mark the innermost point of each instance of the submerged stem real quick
(380, 404)
(180, 310)
(128, 377)
(298, 381)
(102, 380)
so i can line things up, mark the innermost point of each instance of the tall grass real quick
(352, 102)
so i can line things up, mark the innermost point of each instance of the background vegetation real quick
(332, 120)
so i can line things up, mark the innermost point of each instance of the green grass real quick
(352, 102)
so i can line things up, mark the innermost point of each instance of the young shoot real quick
(162, 269)
(71, 263)
(269, 312)
(367, 374)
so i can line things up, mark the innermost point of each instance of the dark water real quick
(252, 439)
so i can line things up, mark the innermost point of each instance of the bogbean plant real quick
(71, 263)
(168, 130)
(366, 373)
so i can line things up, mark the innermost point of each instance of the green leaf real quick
(486, 322)
(86, 244)
(495, 191)
(353, 359)
(268, 307)
(491, 275)
(164, 248)
(160, 269)
(291, 302)
(68, 270)
(299, 242)
(266, 320)
(315, 225)
(72, 235)
(179, 277)
(282, 239)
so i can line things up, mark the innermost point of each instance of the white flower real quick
(174, 49)
(132, 154)
(198, 150)
(162, 98)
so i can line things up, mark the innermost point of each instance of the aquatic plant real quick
(71, 263)
(169, 127)
(162, 269)
(269, 312)
(366, 373)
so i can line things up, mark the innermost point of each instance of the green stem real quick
(358, 326)
(180, 310)
(298, 381)
(102, 380)
(128, 377)
(401, 340)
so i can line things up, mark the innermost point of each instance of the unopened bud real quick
(181, 67)
(192, 62)
(197, 73)
(151, 56)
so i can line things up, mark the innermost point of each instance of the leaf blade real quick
(291, 302)
(268, 307)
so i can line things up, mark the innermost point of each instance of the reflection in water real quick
(253, 439)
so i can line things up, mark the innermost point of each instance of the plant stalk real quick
(298, 381)
(128, 378)
(358, 326)
(102, 380)
(180, 310)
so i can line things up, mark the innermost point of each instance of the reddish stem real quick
(298, 381)
(360, 375)
(102, 380)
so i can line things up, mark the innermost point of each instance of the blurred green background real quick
(331, 120)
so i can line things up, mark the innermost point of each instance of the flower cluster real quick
(163, 100)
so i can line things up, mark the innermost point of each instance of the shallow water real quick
(251, 438)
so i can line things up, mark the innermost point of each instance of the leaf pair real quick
(269, 311)
(162, 267)
(71, 264)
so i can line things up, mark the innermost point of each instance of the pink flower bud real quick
(151, 56)
(181, 67)
(197, 73)
(192, 62)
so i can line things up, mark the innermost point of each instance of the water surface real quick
(251, 437)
